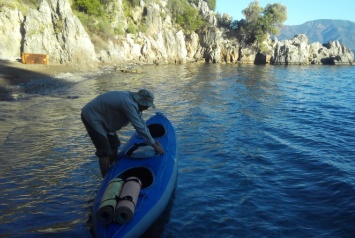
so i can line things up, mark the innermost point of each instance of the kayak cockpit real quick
(143, 150)
(144, 174)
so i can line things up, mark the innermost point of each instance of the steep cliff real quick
(55, 30)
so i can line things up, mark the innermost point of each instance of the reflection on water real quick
(264, 151)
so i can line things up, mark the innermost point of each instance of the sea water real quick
(264, 151)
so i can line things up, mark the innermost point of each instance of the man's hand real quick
(158, 148)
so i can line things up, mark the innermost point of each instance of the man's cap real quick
(144, 98)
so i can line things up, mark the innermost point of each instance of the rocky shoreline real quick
(54, 29)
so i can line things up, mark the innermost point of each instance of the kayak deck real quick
(156, 172)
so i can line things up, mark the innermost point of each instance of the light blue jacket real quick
(113, 110)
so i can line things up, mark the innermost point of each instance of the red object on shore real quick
(29, 58)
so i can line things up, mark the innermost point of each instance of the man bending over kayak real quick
(108, 113)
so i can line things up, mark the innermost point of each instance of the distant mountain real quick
(323, 31)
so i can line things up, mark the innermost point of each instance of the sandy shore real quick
(15, 72)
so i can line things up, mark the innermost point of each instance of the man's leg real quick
(113, 155)
(104, 163)
(102, 144)
(114, 143)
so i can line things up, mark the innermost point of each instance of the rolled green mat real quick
(106, 211)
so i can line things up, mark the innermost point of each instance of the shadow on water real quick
(17, 81)
(157, 229)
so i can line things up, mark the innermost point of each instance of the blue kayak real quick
(154, 179)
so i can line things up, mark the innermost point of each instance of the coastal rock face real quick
(163, 44)
(11, 27)
(247, 55)
(39, 33)
(229, 51)
(118, 21)
(211, 42)
(194, 49)
(53, 29)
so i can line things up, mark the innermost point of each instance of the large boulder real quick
(338, 54)
(333, 53)
(292, 52)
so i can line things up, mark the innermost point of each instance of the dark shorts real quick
(104, 144)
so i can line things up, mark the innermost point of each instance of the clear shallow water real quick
(264, 151)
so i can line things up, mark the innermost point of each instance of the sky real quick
(298, 11)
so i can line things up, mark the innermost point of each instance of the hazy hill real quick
(323, 31)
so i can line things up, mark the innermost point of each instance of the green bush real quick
(185, 15)
(132, 29)
(119, 30)
(128, 6)
(100, 26)
(210, 3)
(143, 27)
(7, 3)
(91, 7)
(104, 26)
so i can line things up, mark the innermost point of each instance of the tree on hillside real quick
(185, 15)
(259, 22)
(90, 7)
(210, 3)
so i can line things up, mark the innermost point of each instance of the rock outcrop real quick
(297, 51)
(333, 53)
(53, 29)
(293, 51)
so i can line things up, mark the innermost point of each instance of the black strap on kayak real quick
(108, 200)
(127, 198)
(135, 147)
(133, 179)
(114, 181)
